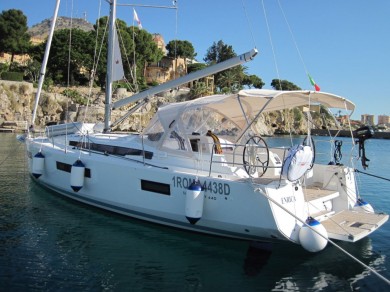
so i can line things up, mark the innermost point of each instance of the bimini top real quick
(246, 104)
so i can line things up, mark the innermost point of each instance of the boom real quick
(248, 56)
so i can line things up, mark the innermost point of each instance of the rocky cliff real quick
(17, 103)
(40, 31)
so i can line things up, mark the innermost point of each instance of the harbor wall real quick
(346, 133)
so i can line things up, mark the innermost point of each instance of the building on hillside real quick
(159, 40)
(164, 70)
(368, 119)
(23, 59)
(36, 40)
(343, 120)
(169, 68)
(383, 120)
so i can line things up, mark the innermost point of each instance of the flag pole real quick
(134, 63)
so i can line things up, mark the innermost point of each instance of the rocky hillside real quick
(17, 102)
(40, 30)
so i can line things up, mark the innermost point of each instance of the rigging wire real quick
(276, 66)
(134, 72)
(271, 43)
(174, 71)
(93, 72)
(294, 41)
(250, 26)
(68, 77)
(70, 45)
(293, 38)
(126, 57)
(96, 59)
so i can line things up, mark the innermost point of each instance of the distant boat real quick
(202, 165)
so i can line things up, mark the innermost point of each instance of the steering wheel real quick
(313, 148)
(255, 156)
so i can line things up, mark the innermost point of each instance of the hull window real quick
(68, 167)
(110, 149)
(155, 187)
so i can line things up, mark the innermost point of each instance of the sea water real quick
(49, 243)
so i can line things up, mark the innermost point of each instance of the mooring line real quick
(377, 176)
(387, 281)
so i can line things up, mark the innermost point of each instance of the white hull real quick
(154, 189)
(116, 185)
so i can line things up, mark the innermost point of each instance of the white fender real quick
(77, 175)
(38, 163)
(310, 239)
(194, 202)
(363, 206)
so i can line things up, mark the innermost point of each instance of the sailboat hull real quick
(158, 195)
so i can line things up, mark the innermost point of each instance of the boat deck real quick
(351, 225)
(313, 194)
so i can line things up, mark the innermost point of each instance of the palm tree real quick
(229, 81)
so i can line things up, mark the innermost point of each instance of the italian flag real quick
(317, 88)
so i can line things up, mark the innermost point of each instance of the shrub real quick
(3, 68)
(12, 76)
(75, 96)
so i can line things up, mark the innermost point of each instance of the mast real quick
(110, 52)
(44, 63)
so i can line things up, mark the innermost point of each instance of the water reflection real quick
(51, 243)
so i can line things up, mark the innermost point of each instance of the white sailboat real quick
(201, 165)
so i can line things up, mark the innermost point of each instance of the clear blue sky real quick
(345, 45)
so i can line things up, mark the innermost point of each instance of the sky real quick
(344, 45)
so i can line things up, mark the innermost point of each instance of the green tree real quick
(32, 70)
(146, 51)
(198, 89)
(217, 53)
(78, 63)
(137, 49)
(178, 48)
(13, 33)
(230, 81)
(195, 67)
(233, 79)
(183, 49)
(284, 85)
(253, 81)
